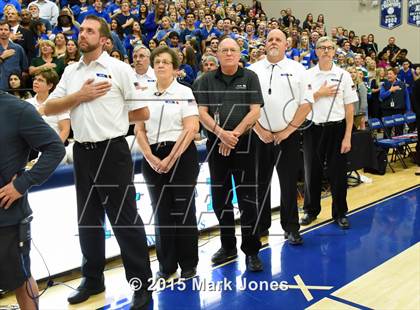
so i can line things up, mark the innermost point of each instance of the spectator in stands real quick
(153, 21)
(47, 59)
(164, 30)
(391, 47)
(306, 55)
(400, 57)
(371, 68)
(144, 72)
(185, 73)
(43, 84)
(66, 26)
(16, 87)
(125, 18)
(12, 56)
(34, 10)
(131, 40)
(116, 28)
(60, 42)
(97, 9)
(153, 43)
(166, 140)
(394, 97)
(374, 104)
(314, 39)
(384, 59)
(3, 4)
(143, 16)
(292, 52)
(407, 76)
(47, 10)
(72, 52)
(209, 63)
(117, 54)
(360, 107)
(20, 35)
(372, 46)
(341, 61)
(307, 23)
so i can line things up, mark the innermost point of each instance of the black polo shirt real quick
(230, 96)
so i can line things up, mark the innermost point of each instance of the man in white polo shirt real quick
(144, 73)
(328, 139)
(100, 93)
(47, 10)
(287, 99)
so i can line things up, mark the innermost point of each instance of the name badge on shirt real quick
(103, 75)
(171, 102)
(335, 80)
(151, 81)
(286, 74)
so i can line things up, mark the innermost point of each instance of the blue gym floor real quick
(329, 259)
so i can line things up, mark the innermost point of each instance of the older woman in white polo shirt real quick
(171, 166)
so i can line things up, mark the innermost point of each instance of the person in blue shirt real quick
(3, 3)
(306, 55)
(292, 52)
(65, 25)
(394, 98)
(190, 29)
(80, 8)
(97, 10)
(164, 30)
(125, 18)
(12, 56)
(406, 75)
(153, 21)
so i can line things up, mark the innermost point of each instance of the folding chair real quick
(387, 143)
(400, 120)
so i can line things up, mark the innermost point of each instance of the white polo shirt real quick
(52, 120)
(280, 106)
(347, 94)
(167, 112)
(146, 80)
(105, 117)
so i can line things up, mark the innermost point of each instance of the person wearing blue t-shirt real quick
(292, 52)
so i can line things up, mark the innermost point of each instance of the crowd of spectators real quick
(42, 35)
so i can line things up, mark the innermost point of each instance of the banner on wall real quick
(390, 15)
(413, 12)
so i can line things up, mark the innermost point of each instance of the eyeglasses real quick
(163, 61)
(325, 48)
(225, 51)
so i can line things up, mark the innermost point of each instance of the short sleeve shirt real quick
(105, 117)
(230, 96)
(167, 111)
(331, 109)
(288, 89)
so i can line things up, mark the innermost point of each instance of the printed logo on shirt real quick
(240, 86)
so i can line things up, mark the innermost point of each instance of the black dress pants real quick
(240, 164)
(322, 146)
(103, 177)
(173, 201)
(284, 157)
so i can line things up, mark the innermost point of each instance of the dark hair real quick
(4, 22)
(161, 50)
(51, 77)
(18, 75)
(103, 28)
(119, 53)
(119, 31)
(393, 69)
(77, 55)
(189, 58)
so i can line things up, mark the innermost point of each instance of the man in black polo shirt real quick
(229, 104)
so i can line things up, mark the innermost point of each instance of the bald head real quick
(229, 54)
(276, 45)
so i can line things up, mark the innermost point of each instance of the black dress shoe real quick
(253, 263)
(294, 237)
(189, 273)
(224, 255)
(343, 222)
(141, 300)
(83, 293)
(307, 219)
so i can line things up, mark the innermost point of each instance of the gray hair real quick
(323, 40)
(210, 58)
(141, 46)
